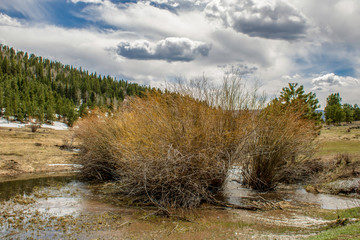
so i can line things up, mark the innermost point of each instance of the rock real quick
(347, 186)
(311, 189)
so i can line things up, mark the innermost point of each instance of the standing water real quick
(61, 207)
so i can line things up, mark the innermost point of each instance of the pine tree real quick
(50, 107)
(356, 113)
(294, 95)
(83, 110)
(349, 112)
(333, 110)
(27, 81)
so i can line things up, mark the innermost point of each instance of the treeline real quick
(335, 112)
(35, 88)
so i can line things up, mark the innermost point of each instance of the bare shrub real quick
(233, 95)
(280, 137)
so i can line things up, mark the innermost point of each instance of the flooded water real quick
(11, 188)
(236, 194)
(293, 194)
(63, 207)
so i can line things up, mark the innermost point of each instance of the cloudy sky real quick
(314, 43)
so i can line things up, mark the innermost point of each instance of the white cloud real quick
(267, 19)
(148, 21)
(331, 79)
(169, 49)
(348, 87)
(5, 20)
(32, 9)
(335, 20)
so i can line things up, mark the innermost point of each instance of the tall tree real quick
(356, 113)
(349, 112)
(295, 96)
(333, 110)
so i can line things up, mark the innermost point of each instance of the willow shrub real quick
(175, 149)
(282, 136)
(169, 149)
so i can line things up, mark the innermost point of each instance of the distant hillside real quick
(35, 88)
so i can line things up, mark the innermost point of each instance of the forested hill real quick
(35, 88)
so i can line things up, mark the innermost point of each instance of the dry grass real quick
(23, 151)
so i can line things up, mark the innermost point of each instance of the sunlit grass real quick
(347, 232)
(334, 147)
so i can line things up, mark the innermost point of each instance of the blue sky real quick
(314, 43)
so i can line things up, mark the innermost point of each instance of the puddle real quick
(235, 194)
(14, 187)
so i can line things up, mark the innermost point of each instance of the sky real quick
(151, 42)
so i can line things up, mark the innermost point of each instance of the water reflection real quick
(235, 194)
(9, 189)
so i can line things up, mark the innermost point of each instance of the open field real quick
(340, 139)
(23, 151)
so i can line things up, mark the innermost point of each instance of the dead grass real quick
(32, 151)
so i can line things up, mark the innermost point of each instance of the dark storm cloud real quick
(258, 19)
(169, 49)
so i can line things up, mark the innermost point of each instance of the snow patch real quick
(15, 124)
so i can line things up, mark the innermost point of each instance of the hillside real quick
(32, 87)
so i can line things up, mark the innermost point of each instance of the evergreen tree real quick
(20, 113)
(50, 107)
(295, 95)
(33, 87)
(333, 110)
(83, 110)
(349, 112)
(356, 113)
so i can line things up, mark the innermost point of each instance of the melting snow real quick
(11, 124)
